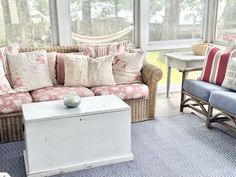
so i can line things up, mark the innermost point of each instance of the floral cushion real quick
(29, 71)
(127, 68)
(125, 91)
(12, 48)
(5, 86)
(58, 92)
(12, 102)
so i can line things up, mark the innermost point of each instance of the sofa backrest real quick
(61, 49)
(90, 50)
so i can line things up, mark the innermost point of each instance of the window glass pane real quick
(25, 21)
(175, 19)
(101, 17)
(226, 20)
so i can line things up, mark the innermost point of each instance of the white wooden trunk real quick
(60, 140)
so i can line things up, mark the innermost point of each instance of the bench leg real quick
(181, 101)
(208, 121)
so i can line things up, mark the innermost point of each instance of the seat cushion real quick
(12, 102)
(226, 101)
(201, 89)
(58, 92)
(124, 91)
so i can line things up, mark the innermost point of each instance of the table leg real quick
(168, 81)
(184, 76)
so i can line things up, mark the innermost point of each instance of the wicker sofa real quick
(11, 124)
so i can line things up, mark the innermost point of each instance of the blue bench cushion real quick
(201, 89)
(226, 101)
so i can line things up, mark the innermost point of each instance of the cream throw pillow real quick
(127, 68)
(230, 76)
(29, 71)
(89, 72)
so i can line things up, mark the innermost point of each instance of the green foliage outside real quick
(156, 59)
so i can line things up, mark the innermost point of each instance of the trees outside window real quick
(175, 19)
(225, 22)
(27, 22)
(101, 17)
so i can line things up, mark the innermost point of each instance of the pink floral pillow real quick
(5, 86)
(29, 71)
(127, 68)
(10, 49)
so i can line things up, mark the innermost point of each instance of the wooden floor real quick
(168, 106)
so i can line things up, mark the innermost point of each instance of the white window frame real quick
(214, 40)
(60, 22)
(61, 26)
(181, 43)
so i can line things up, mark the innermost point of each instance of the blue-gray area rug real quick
(173, 146)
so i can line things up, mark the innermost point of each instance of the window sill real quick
(177, 45)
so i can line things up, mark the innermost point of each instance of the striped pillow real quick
(60, 66)
(215, 65)
(231, 45)
(100, 50)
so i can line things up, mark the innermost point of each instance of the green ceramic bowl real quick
(72, 101)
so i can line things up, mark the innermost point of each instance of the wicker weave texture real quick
(151, 75)
(62, 49)
(11, 127)
(139, 110)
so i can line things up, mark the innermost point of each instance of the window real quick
(25, 21)
(225, 21)
(101, 17)
(175, 19)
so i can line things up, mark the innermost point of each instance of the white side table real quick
(184, 62)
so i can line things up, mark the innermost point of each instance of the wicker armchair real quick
(11, 125)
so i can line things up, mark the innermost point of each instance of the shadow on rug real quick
(170, 146)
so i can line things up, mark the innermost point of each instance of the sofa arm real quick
(151, 75)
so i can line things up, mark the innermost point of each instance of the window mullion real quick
(60, 20)
(53, 20)
(136, 22)
(143, 24)
(210, 25)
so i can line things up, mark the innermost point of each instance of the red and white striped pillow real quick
(215, 65)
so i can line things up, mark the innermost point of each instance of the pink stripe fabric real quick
(60, 69)
(208, 66)
(222, 68)
(101, 50)
(215, 65)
